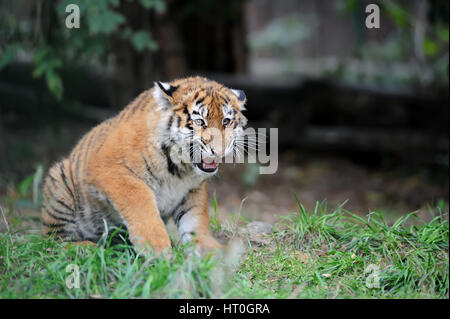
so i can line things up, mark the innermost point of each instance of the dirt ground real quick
(335, 180)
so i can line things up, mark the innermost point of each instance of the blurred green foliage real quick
(27, 193)
(281, 33)
(410, 50)
(51, 46)
(430, 50)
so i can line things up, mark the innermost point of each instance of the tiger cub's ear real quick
(241, 97)
(163, 94)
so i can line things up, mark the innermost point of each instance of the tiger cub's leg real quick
(136, 203)
(192, 219)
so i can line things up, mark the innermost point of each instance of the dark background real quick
(362, 113)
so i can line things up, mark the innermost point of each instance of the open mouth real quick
(207, 166)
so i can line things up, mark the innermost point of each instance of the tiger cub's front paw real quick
(206, 244)
(154, 248)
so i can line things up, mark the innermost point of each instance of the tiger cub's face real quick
(205, 118)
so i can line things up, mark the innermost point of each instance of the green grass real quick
(310, 254)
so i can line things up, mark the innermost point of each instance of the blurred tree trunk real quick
(215, 33)
(171, 49)
(136, 71)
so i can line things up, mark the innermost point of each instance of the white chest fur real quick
(173, 189)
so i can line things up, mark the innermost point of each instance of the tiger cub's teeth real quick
(209, 166)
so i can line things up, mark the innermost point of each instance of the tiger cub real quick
(125, 172)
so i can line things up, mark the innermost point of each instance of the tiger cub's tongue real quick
(211, 165)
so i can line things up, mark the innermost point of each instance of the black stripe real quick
(132, 171)
(188, 120)
(75, 185)
(103, 136)
(170, 122)
(56, 210)
(193, 190)
(186, 111)
(52, 187)
(178, 217)
(246, 143)
(127, 109)
(200, 101)
(133, 108)
(83, 142)
(176, 211)
(178, 120)
(179, 205)
(191, 151)
(171, 166)
(137, 106)
(64, 178)
(58, 218)
(53, 225)
(53, 179)
(65, 205)
(99, 147)
(88, 147)
(149, 170)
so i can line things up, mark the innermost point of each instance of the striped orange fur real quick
(123, 172)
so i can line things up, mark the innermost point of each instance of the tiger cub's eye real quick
(199, 122)
(226, 122)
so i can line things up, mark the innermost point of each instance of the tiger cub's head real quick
(203, 117)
